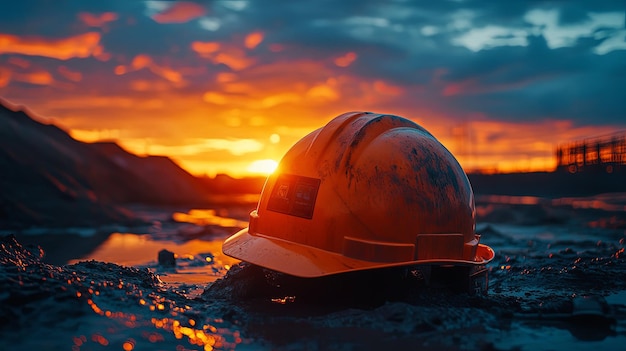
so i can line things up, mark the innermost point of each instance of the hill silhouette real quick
(50, 179)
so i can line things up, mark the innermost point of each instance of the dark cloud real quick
(536, 82)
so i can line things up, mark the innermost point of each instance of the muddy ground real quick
(558, 282)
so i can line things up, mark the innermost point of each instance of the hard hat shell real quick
(366, 191)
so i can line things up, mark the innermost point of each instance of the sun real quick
(265, 167)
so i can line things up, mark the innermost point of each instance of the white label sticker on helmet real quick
(294, 195)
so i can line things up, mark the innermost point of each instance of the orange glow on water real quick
(206, 336)
(136, 250)
(206, 217)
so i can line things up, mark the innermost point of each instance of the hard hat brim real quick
(310, 262)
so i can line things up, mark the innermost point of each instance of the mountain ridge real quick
(51, 179)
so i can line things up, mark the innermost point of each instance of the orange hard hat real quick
(366, 191)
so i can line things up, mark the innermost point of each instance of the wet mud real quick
(558, 285)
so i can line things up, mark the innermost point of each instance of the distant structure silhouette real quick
(604, 154)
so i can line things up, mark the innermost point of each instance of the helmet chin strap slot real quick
(377, 251)
(439, 246)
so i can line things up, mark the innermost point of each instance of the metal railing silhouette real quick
(605, 153)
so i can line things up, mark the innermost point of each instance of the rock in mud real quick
(167, 258)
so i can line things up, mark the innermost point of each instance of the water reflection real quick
(510, 200)
(206, 336)
(204, 217)
(613, 202)
(168, 317)
(198, 261)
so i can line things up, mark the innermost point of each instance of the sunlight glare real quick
(274, 138)
(265, 167)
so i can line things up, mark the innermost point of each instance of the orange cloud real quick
(235, 59)
(19, 62)
(242, 108)
(167, 73)
(232, 56)
(279, 99)
(236, 87)
(94, 20)
(253, 40)
(323, 92)
(93, 135)
(141, 61)
(148, 85)
(74, 76)
(5, 77)
(145, 61)
(205, 49)
(276, 47)
(456, 88)
(346, 60)
(138, 62)
(215, 98)
(180, 12)
(387, 89)
(37, 78)
(225, 77)
(233, 146)
(308, 84)
(119, 70)
(80, 46)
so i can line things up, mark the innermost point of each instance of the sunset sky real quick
(217, 85)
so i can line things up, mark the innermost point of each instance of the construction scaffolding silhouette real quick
(606, 154)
